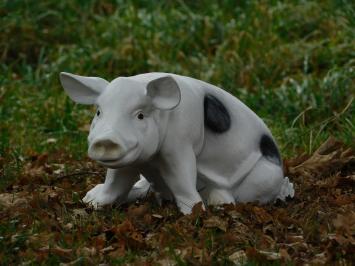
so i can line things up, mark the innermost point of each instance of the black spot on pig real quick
(216, 115)
(269, 149)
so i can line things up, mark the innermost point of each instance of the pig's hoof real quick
(185, 206)
(99, 197)
(219, 197)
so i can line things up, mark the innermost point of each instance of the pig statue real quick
(188, 140)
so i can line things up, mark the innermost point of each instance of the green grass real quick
(292, 62)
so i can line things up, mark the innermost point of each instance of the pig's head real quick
(126, 128)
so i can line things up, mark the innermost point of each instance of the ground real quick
(292, 62)
(44, 221)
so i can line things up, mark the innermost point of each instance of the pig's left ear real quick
(82, 89)
(164, 92)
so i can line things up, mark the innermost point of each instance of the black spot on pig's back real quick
(269, 149)
(216, 115)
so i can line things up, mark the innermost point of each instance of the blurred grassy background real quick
(292, 62)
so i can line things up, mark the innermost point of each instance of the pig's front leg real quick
(180, 174)
(117, 184)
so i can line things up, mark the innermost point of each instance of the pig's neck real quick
(161, 120)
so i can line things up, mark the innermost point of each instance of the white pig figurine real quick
(188, 140)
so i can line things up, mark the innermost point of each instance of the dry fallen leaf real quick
(319, 259)
(14, 200)
(87, 252)
(61, 252)
(136, 212)
(107, 249)
(238, 258)
(329, 157)
(216, 222)
(345, 226)
(261, 215)
(262, 256)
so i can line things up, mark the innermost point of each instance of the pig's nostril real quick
(105, 150)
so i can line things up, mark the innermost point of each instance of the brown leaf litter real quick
(48, 220)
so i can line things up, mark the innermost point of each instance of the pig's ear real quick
(164, 92)
(81, 89)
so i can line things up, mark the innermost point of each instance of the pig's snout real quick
(105, 150)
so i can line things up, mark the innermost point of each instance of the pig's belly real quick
(225, 175)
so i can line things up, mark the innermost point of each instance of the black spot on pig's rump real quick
(269, 149)
(216, 115)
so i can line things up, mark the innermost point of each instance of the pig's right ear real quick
(82, 89)
(164, 92)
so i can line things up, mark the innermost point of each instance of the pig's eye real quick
(140, 116)
(98, 112)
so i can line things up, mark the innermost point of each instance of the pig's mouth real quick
(121, 161)
(108, 161)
